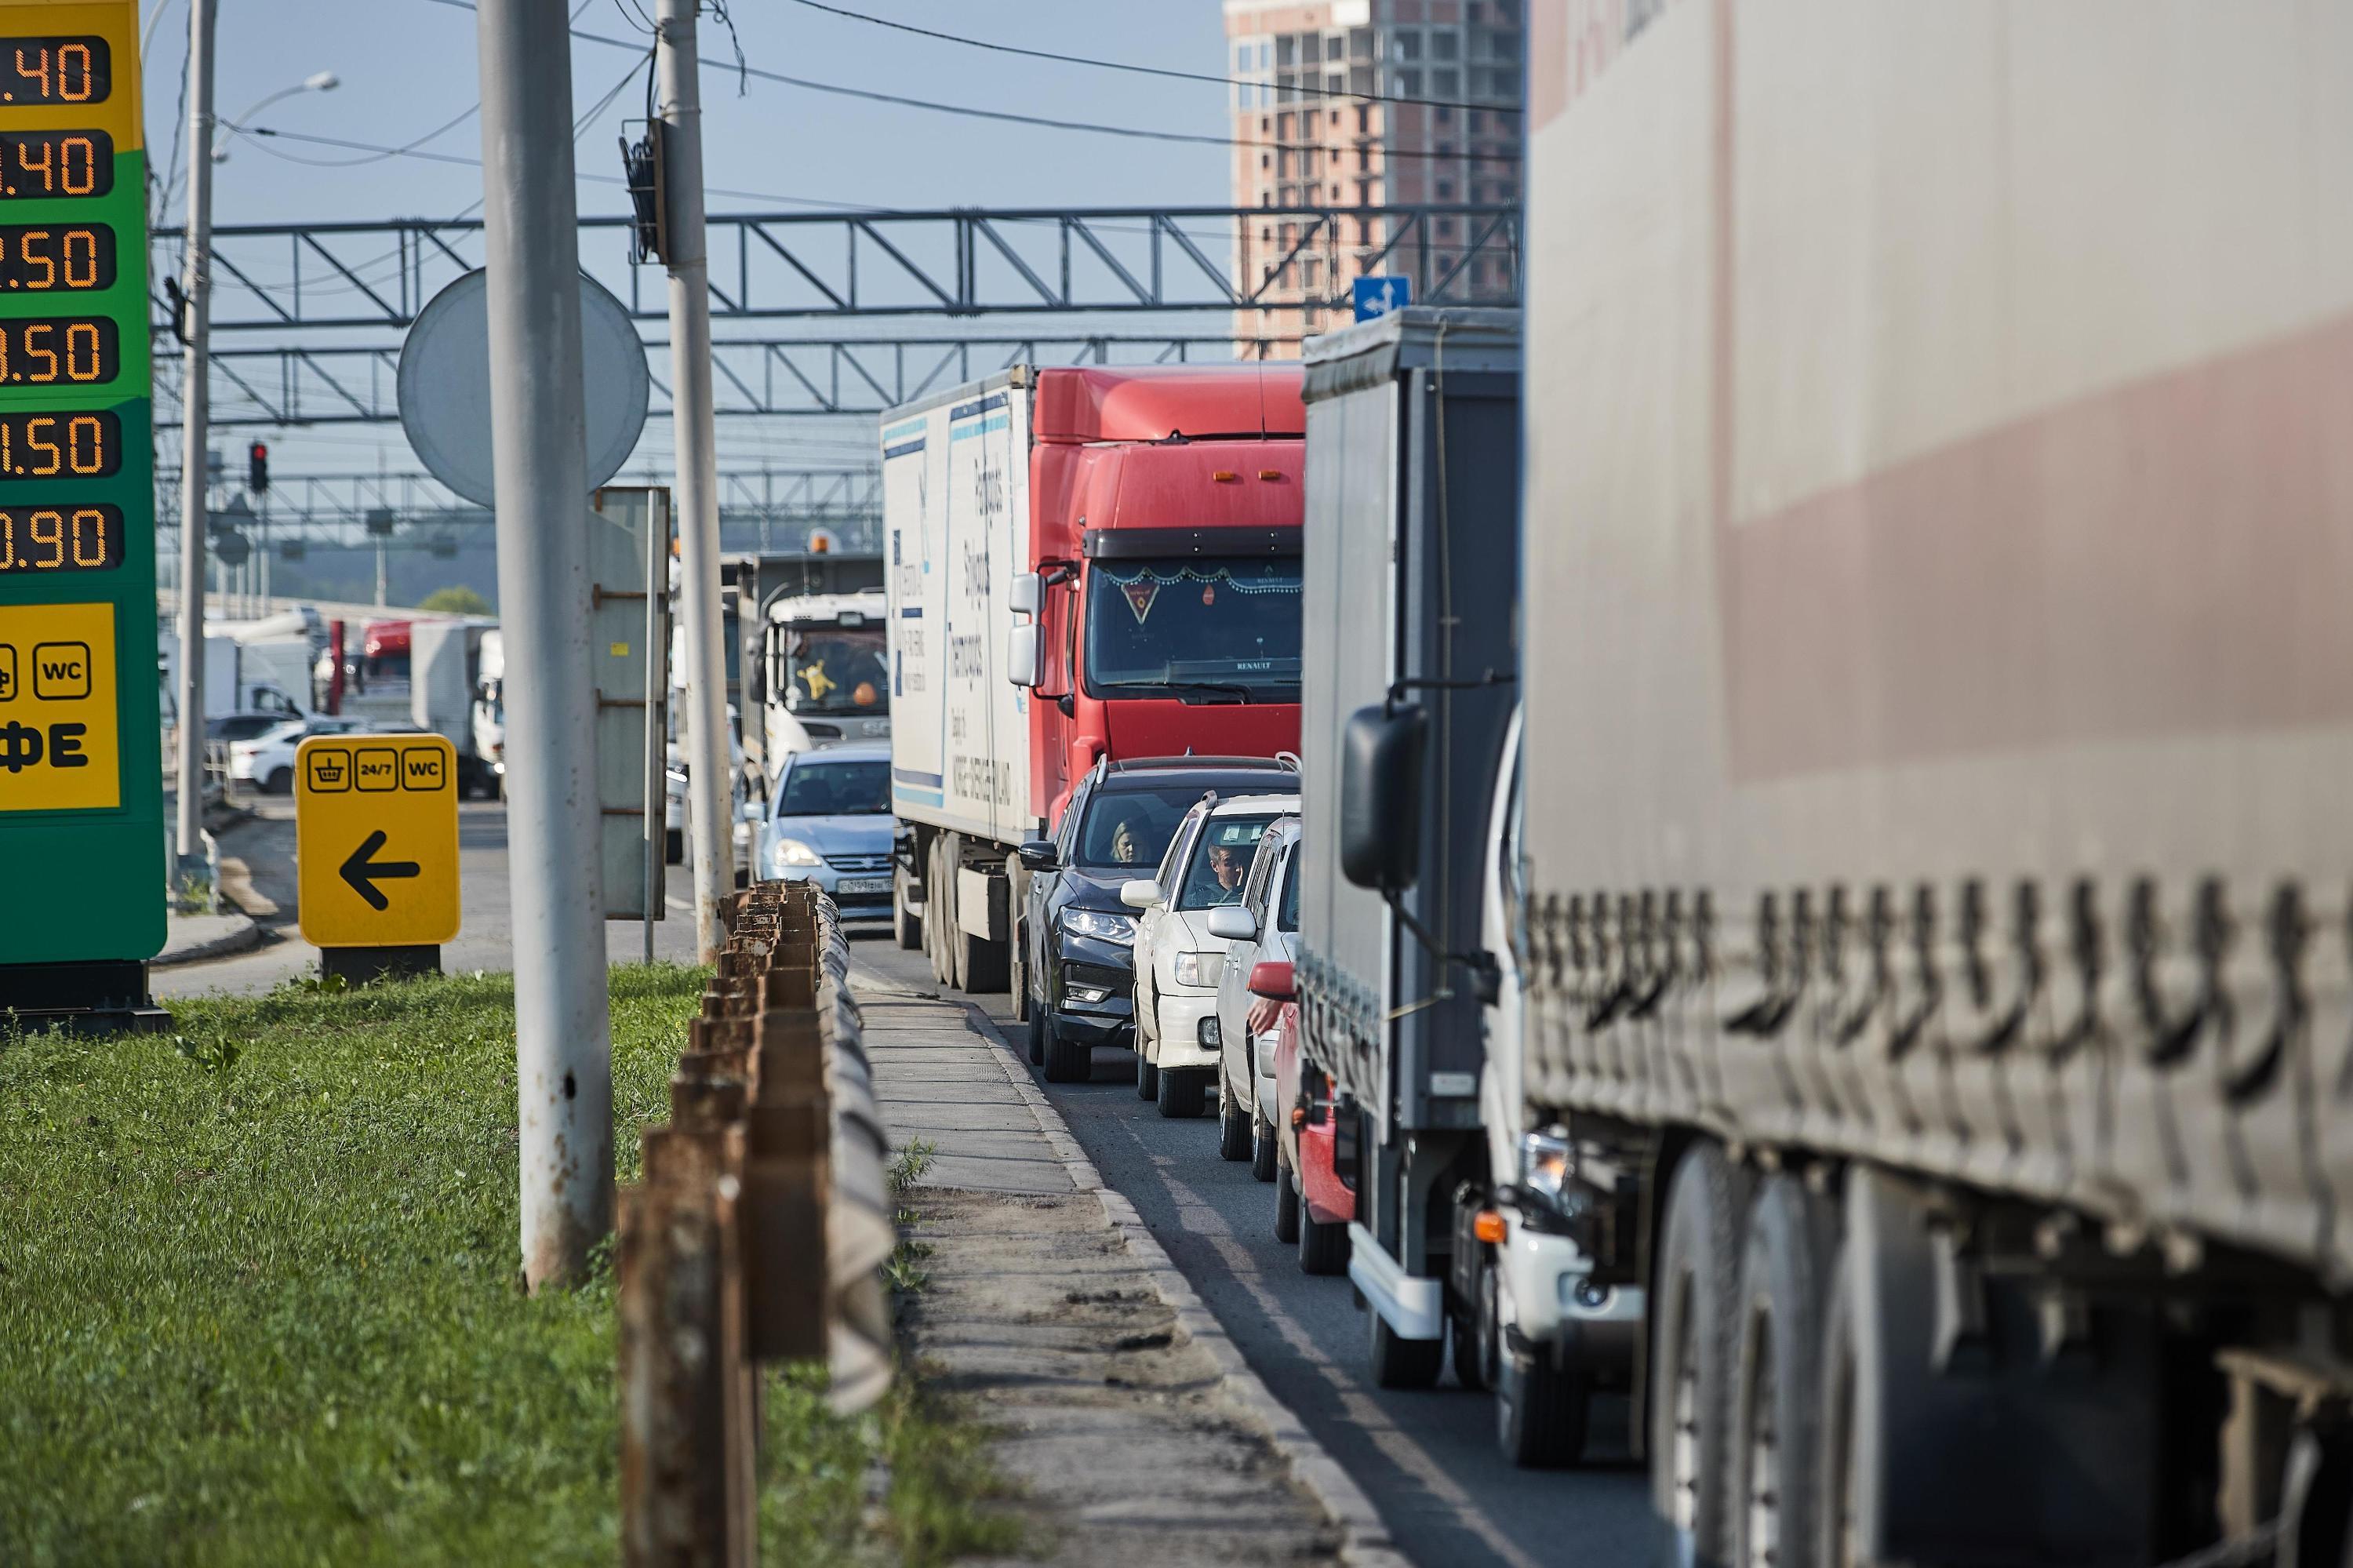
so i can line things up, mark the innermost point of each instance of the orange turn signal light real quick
(1270, 473)
(1299, 1115)
(1225, 476)
(1488, 1226)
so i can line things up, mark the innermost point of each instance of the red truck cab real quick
(1165, 543)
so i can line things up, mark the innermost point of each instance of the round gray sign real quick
(444, 386)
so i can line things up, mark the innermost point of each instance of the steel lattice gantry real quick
(305, 384)
(345, 509)
(958, 262)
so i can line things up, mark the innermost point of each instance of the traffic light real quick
(256, 468)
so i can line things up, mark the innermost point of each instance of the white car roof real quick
(1255, 805)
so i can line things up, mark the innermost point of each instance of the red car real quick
(1312, 1206)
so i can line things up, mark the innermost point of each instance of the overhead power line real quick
(995, 47)
(1046, 122)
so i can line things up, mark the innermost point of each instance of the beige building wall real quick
(1309, 110)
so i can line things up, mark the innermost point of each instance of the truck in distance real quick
(823, 662)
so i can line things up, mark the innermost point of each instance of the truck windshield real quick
(836, 669)
(1200, 629)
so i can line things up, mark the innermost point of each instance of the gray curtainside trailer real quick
(1411, 576)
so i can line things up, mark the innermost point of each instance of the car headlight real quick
(1101, 924)
(1199, 969)
(1545, 1164)
(792, 851)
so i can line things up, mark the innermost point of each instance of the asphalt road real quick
(261, 851)
(1428, 1460)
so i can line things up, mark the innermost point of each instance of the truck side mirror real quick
(1028, 596)
(1381, 796)
(1022, 661)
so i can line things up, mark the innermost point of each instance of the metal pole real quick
(711, 818)
(563, 1051)
(188, 828)
(657, 682)
(380, 562)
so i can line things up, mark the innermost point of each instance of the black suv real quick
(1077, 940)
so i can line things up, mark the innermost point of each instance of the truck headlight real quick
(1200, 969)
(1101, 925)
(1545, 1164)
(792, 851)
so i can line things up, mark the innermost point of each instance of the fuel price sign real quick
(81, 811)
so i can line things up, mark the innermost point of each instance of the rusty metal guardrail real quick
(757, 1235)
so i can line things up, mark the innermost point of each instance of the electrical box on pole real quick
(81, 810)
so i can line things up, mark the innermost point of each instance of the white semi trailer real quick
(1930, 882)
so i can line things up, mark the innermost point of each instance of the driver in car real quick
(1230, 867)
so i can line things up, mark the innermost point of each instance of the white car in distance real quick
(1262, 927)
(1178, 955)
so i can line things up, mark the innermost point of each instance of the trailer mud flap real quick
(982, 900)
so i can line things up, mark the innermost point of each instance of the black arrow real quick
(362, 871)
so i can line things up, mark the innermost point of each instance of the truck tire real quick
(1148, 1076)
(1394, 1362)
(906, 926)
(1067, 1061)
(1263, 1148)
(1016, 972)
(1235, 1139)
(1184, 1092)
(1466, 1346)
(1324, 1246)
(1540, 1413)
(1693, 1313)
(1286, 1206)
(1775, 1442)
(674, 846)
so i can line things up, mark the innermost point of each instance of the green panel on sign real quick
(81, 808)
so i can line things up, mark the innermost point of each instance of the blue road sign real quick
(1377, 297)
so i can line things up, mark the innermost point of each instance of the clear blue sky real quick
(407, 66)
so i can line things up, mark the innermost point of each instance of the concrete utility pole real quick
(195, 284)
(710, 816)
(563, 1048)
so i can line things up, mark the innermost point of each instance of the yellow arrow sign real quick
(375, 840)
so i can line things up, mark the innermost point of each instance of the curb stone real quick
(245, 934)
(1364, 1538)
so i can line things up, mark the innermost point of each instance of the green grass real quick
(259, 1304)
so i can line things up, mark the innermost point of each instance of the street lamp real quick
(318, 82)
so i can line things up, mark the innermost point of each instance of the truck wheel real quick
(1394, 1362)
(279, 782)
(1148, 1076)
(1263, 1148)
(1324, 1249)
(980, 963)
(1691, 1349)
(1286, 1206)
(674, 846)
(1234, 1133)
(1776, 1435)
(1540, 1413)
(906, 926)
(1016, 973)
(1067, 1061)
(1183, 1092)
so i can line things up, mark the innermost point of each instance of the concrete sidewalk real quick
(1122, 1411)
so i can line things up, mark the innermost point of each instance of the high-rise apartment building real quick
(1365, 104)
